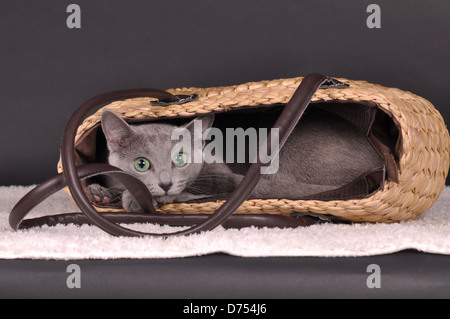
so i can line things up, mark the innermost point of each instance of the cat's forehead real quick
(153, 137)
(155, 133)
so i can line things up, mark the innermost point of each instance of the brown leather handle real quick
(58, 182)
(286, 122)
(143, 196)
(236, 221)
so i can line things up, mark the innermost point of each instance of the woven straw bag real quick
(417, 161)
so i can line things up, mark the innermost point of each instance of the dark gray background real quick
(47, 70)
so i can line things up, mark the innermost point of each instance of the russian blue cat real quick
(320, 155)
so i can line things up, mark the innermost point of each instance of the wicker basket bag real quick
(416, 154)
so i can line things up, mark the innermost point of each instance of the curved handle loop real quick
(72, 175)
(58, 182)
(286, 122)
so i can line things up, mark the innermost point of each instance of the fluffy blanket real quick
(429, 233)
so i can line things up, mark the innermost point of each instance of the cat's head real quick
(146, 150)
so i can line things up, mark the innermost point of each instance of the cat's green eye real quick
(142, 164)
(179, 160)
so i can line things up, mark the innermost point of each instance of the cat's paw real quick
(102, 195)
(129, 203)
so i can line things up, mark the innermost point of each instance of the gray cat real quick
(319, 155)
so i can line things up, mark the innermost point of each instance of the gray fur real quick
(319, 155)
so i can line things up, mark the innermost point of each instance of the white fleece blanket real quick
(430, 233)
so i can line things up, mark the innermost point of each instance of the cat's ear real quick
(206, 120)
(116, 130)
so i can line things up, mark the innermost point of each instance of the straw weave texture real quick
(423, 156)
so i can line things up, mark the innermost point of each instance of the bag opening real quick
(366, 118)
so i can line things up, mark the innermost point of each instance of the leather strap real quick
(286, 122)
(143, 196)
(58, 182)
(235, 221)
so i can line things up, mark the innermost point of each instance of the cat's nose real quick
(165, 186)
